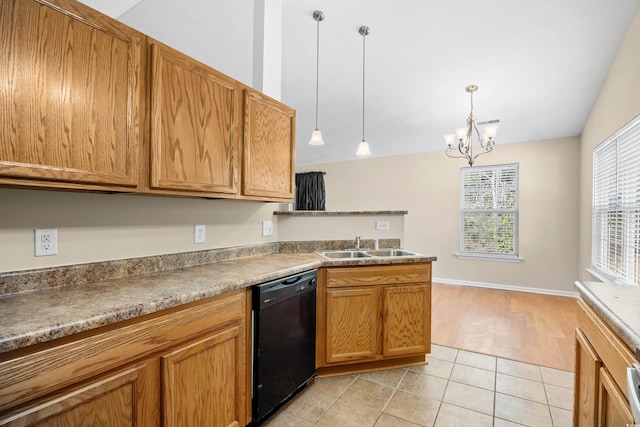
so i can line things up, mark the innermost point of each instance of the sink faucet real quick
(357, 242)
(376, 245)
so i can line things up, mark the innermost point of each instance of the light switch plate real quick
(199, 233)
(267, 228)
(382, 225)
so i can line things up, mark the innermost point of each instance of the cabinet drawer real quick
(378, 275)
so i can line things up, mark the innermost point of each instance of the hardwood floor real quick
(522, 326)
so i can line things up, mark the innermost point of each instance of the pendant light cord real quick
(317, 68)
(364, 36)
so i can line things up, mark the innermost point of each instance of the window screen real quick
(616, 205)
(489, 211)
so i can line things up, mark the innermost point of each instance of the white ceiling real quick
(539, 65)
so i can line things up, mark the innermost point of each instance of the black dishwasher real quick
(284, 341)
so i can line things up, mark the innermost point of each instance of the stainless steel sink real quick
(365, 253)
(390, 252)
(344, 254)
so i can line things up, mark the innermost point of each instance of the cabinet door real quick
(614, 407)
(352, 325)
(194, 134)
(406, 322)
(585, 405)
(70, 98)
(114, 400)
(269, 147)
(204, 382)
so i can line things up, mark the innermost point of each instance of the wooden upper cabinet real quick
(69, 96)
(194, 135)
(269, 147)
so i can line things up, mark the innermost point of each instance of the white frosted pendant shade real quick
(316, 138)
(363, 149)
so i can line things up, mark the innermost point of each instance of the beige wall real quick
(292, 228)
(96, 227)
(427, 185)
(617, 103)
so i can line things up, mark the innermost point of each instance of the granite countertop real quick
(46, 314)
(618, 306)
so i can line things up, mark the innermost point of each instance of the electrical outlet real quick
(199, 233)
(267, 228)
(382, 225)
(46, 241)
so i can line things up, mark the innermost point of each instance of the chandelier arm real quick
(448, 152)
(481, 154)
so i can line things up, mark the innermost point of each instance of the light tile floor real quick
(456, 388)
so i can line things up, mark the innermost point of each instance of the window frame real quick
(615, 207)
(513, 256)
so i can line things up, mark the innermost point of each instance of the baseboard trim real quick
(506, 287)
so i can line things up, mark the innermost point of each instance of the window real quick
(489, 211)
(616, 206)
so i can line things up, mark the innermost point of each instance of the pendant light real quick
(363, 148)
(316, 135)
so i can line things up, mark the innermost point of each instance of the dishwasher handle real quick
(633, 387)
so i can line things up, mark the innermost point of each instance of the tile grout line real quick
(406, 371)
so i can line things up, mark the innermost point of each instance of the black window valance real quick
(310, 191)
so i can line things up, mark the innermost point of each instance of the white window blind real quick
(489, 211)
(616, 205)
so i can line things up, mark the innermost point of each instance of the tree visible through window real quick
(489, 211)
(616, 206)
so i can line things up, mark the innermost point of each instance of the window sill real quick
(490, 257)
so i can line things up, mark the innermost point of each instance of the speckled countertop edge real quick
(40, 316)
(339, 213)
(610, 302)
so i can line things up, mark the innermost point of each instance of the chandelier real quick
(464, 135)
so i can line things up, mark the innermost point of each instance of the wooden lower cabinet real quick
(372, 317)
(600, 396)
(116, 399)
(406, 320)
(351, 325)
(587, 378)
(188, 367)
(614, 406)
(195, 396)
